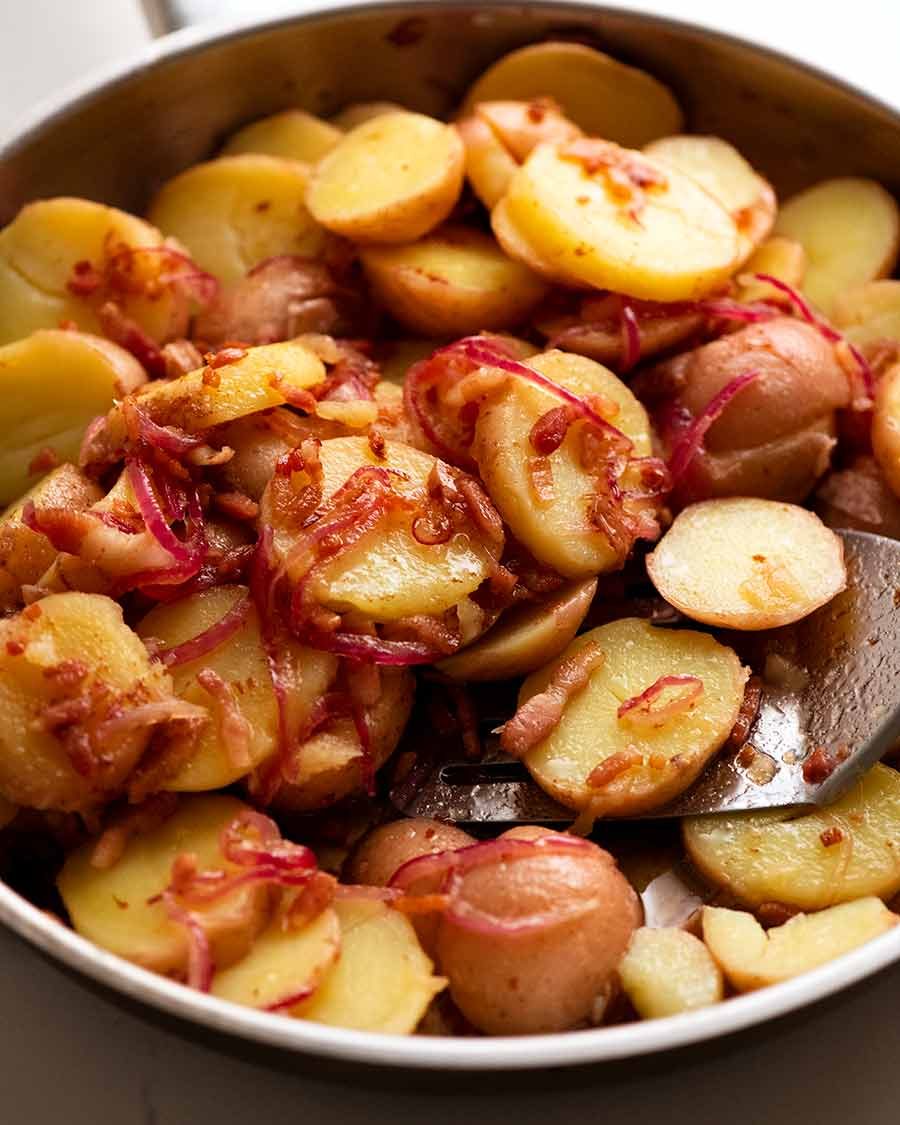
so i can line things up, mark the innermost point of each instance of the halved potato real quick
(780, 856)
(886, 427)
(110, 906)
(850, 230)
(291, 135)
(234, 212)
(869, 314)
(779, 257)
(391, 179)
(454, 282)
(357, 113)
(668, 971)
(752, 957)
(588, 210)
(579, 761)
(604, 97)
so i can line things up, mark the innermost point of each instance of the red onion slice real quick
(210, 639)
(200, 962)
(691, 442)
(188, 553)
(641, 710)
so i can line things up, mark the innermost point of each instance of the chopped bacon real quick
(549, 431)
(467, 718)
(822, 763)
(747, 714)
(135, 821)
(180, 358)
(128, 334)
(235, 732)
(629, 175)
(613, 767)
(831, 836)
(236, 505)
(666, 698)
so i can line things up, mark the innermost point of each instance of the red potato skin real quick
(858, 497)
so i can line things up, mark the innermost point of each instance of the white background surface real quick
(70, 1057)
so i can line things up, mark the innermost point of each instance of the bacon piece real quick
(180, 357)
(135, 821)
(235, 731)
(822, 763)
(614, 766)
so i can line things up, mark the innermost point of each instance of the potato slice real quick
(779, 257)
(234, 212)
(754, 958)
(282, 964)
(659, 761)
(391, 179)
(801, 861)
(382, 981)
(557, 532)
(518, 247)
(604, 97)
(110, 906)
(454, 282)
(669, 971)
(869, 314)
(744, 563)
(886, 427)
(524, 639)
(52, 384)
(670, 241)
(490, 165)
(850, 230)
(357, 113)
(291, 135)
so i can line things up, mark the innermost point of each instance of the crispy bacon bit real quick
(666, 697)
(44, 461)
(747, 714)
(540, 478)
(236, 505)
(822, 763)
(67, 674)
(772, 914)
(467, 720)
(135, 821)
(549, 431)
(539, 715)
(614, 766)
(180, 357)
(210, 378)
(235, 731)
(15, 648)
(32, 613)
(377, 444)
(224, 356)
(309, 902)
(85, 279)
(128, 334)
(831, 836)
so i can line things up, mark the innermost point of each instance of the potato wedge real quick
(234, 212)
(780, 857)
(357, 113)
(291, 135)
(640, 759)
(753, 958)
(668, 971)
(870, 314)
(850, 230)
(382, 981)
(779, 257)
(747, 564)
(454, 282)
(391, 179)
(110, 906)
(886, 427)
(526, 638)
(583, 208)
(602, 96)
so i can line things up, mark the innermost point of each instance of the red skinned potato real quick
(858, 497)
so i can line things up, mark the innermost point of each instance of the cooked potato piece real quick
(630, 741)
(557, 530)
(359, 112)
(801, 861)
(111, 906)
(669, 971)
(292, 135)
(283, 964)
(234, 212)
(886, 427)
(24, 554)
(382, 980)
(779, 257)
(518, 247)
(850, 230)
(68, 664)
(244, 731)
(719, 167)
(870, 314)
(454, 282)
(524, 639)
(619, 220)
(602, 96)
(389, 846)
(52, 384)
(489, 163)
(747, 564)
(60, 259)
(391, 179)
(753, 958)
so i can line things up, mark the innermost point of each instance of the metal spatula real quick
(848, 654)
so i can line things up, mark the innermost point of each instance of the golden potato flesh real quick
(489, 163)
(234, 212)
(800, 860)
(619, 747)
(850, 230)
(111, 906)
(747, 563)
(870, 314)
(52, 385)
(291, 135)
(357, 113)
(886, 427)
(391, 179)
(752, 957)
(454, 282)
(521, 249)
(668, 971)
(67, 665)
(779, 257)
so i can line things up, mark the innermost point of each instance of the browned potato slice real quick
(524, 639)
(850, 230)
(292, 135)
(869, 314)
(66, 651)
(234, 212)
(358, 113)
(779, 257)
(669, 971)
(604, 97)
(282, 964)
(811, 861)
(886, 427)
(489, 163)
(454, 282)
(24, 554)
(391, 179)
(111, 906)
(583, 208)
(747, 563)
(382, 980)
(52, 384)
(754, 958)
